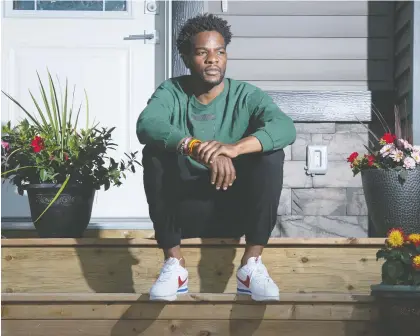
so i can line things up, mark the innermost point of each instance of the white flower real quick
(387, 149)
(397, 155)
(406, 144)
(409, 163)
(416, 156)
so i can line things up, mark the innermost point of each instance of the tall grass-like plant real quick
(48, 147)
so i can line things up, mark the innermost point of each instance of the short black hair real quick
(198, 24)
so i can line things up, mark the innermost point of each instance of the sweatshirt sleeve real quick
(154, 123)
(271, 126)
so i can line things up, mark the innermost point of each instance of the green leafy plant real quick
(48, 147)
(402, 258)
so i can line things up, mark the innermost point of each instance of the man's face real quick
(208, 57)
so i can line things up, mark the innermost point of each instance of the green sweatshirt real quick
(241, 110)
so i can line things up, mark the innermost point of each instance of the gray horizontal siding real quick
(310, 45)
(309, 26)
(309, 70)
(278, 8)
(310, 48)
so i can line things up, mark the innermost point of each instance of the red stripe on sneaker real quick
(245, 282)
(180, 282)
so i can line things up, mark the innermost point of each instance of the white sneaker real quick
(173, 280)
(253, 279)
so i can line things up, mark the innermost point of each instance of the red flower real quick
(353, 156)
(66, 156)
(371, 160)
(388, 138)
(37, 144)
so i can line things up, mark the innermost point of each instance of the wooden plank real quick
(309, 26)
(185, 327)
(309, 48)
(133, 269)
(189, 311)
(307, 298)
(309, 70)
(273, 242)
(283, 8)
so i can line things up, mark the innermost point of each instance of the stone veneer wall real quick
(330, 205)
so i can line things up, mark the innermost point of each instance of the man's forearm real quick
(248, 145)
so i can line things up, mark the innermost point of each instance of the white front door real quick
(84, 41)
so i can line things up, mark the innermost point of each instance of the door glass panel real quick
(65, 5)
(23, 5)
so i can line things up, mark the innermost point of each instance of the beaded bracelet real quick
(183, 146)
(191, 145)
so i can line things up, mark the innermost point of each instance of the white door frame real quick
(165, 9)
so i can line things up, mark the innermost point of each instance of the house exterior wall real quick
(335, 47)
(321, 48)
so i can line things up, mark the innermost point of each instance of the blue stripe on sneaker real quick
(182, 290)
(244, 290)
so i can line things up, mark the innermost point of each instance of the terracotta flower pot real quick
(390, 202)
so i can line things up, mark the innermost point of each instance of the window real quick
(65, 5)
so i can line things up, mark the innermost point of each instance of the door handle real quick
(149, 37)
(140, 37)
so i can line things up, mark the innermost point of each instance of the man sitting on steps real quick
(212, 161)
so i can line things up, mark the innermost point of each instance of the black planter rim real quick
(54, 185)
(393, 170)
(394, 291)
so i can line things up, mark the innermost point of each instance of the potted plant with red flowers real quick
(398, 296)
(390, 174)
(59, 165)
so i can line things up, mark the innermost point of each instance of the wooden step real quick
(317, 314)
(123, 265)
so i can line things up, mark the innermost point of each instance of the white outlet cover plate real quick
(317, 160)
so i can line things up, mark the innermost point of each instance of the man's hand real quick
(223, 173)
(207, 151)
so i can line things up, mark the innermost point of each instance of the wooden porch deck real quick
(98, 286)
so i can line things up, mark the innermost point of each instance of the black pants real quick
(184, 205)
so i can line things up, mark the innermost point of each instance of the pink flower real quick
(409, 163)
(387, 149)
(5, 145)
(405, 144)
(397, 155)
(416, 156)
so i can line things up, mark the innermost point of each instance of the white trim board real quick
(99, 224)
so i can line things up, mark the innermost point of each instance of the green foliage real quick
(50, 148)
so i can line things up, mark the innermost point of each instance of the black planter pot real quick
(67, 217)
(398, 308)
(391, 203)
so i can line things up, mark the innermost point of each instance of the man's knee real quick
(265, 164)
